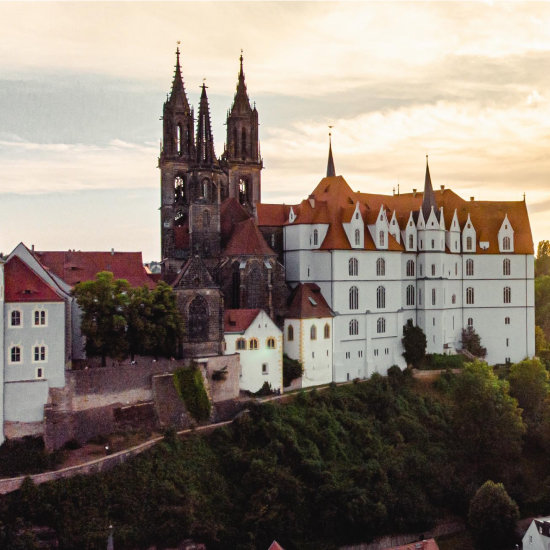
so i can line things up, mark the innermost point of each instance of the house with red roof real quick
(308, 334)
(259, 342)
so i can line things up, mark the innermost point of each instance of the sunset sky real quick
(82, 86)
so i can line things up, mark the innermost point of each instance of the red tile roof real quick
(77, 266)
(307, 302)
(22, 284)
(247, 240)
(275, 546)
(238, 320)
(231, 213)
(272, 214)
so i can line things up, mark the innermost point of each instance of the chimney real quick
(442, 188)
(112, 251)
(32, 247)
(471, 198)
(414, 192)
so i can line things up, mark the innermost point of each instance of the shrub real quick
(414, 343)
(189, 384)
(471, 342)
(292, 369)
(265, 390)
(439, 361)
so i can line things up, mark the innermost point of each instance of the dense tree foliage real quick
(190, 387)
(292, 369)
(414, 344)
(328, 468)
(492, 517)
(471, 341)
(542, 304)
(542, 262)
(118, 319)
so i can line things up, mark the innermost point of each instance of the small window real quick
(315, 237)
(469, 267)
(453, 299)
(253, 343)
(433, 296)
(506, 320)
(507, 342)
(469, 295)
(433, 270)
(240, 344)
(290, 333)
(411, 242)
(470, 322)
(39, 372)
(15, 319)
(380, 297)
(39, 318)
(433, 244)
(15, 354)
(410, 268)
(506, 267)
(357, 237)
(313, 332)
(381, 325)
(380, 267)
(382, 238)
(348, 355)
(265, 368)
(353, 267)
(506, 243)
(271, 343)
(410, 295)
(507, 295)
(327, 330)
(354, 298)
(353, 327)
(39, 353)
(360, 353)
(468, 243)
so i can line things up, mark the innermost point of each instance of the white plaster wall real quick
(532, 540)
(2, 353)
(316, 356)
(25, 400)
(252, 378)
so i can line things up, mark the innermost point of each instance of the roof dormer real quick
(469, 236)
(506, 236)
(381, 228)
(409, 235)
(291, 215)
(394, 228)
(452, 237)
(420, 223)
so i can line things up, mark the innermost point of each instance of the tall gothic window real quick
(411, 242)
(353, 327)
(410, 268)
(469, 267)
(507, 294)
(236, 287)
(244, 148)
(353, 266)
(382, 238)
(410, 295)
(380, 267)
(198, 319)
(469, 295)
(380, 297)
(256, 289)
(313, 332)
(315, 237)
(327, 330)
(381, 325)
(179, 189)
(235, 142)
(354, 298)
(357, 237)
(243, 191)
(506, 243)
(506, 267)
(179, 139)
(468, 243)
(290, 333)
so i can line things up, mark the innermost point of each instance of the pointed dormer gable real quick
(410, 234)
(420, 223)
(381, 230)
(506, 236)
(355, 228)
(432, 222)
(452, 237)
(291, 215)
(469, 236)
(441, 219)
(194, 275)
(394, 228)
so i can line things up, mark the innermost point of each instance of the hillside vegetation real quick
(329, 468)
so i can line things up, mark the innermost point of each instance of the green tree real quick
(487, 422)
(542, 303)
(414, 343)
(492, 517)
(292, 369)
(103, 302)
(542, 262)
(471, 342)
(540, 340)
(529, 385)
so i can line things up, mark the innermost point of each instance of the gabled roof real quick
(231, 213)
(22, 284)
(247, 240)
(272, 215)
(238, 320)
(194, 275)
(275, 546)
(307, 302)
(76, 266)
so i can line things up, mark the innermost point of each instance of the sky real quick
(82, 86)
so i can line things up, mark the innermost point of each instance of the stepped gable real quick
(76, 266)
(272, 215)
(307, 302)
(247, 240)
(22, 284)
(194, 274)
(238, 320)
(231, 213)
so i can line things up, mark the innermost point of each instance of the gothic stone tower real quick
(241, 157)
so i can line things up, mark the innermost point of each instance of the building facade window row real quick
(39, 354)
(253, 343)
(39, 318)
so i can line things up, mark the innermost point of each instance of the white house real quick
(432, 257)
(256, 338)
(537, 536)
(308, 334)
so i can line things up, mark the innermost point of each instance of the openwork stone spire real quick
(205, 140)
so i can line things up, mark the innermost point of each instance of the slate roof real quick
(238, 320)
(22, 284)
(247, 240)
(76, 266)
(307, 302)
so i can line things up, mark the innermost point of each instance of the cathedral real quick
(213, 252)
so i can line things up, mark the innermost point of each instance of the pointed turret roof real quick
(428, 200)
(205, 140)
(241, 103)
(178, 97)
(331, 172)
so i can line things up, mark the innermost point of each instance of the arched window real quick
(411, 242)
(357, 237)
(506, 320)
(469, 295)
(270, 343)
(353, 267)
(290, 333)
(240, 344)
(469, 267)
(197, 322)
(243, 191)
(235, 142)
(382, 238)
(244, 147)
(15, 354)
(410, 295)
(256, 288)
(327, 330)
(380, 267)
(15, 318)
(506, 267)
(179, 139)
(433, 270)
(419, 296)
(380, 297)
(507, 294)
(506, 243)
(353, 327)
(315, 237)
(453, 299)
(468, 243)
(39, 353)
(313, 332)
(205, 188)
(470, 322)
(354, 298)
(381, 325)
(179, 189)
(433, 296)
(39, 317)
(410, 268)
(206, 219)
(253, 343)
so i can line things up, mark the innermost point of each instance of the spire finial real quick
(241, 60)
